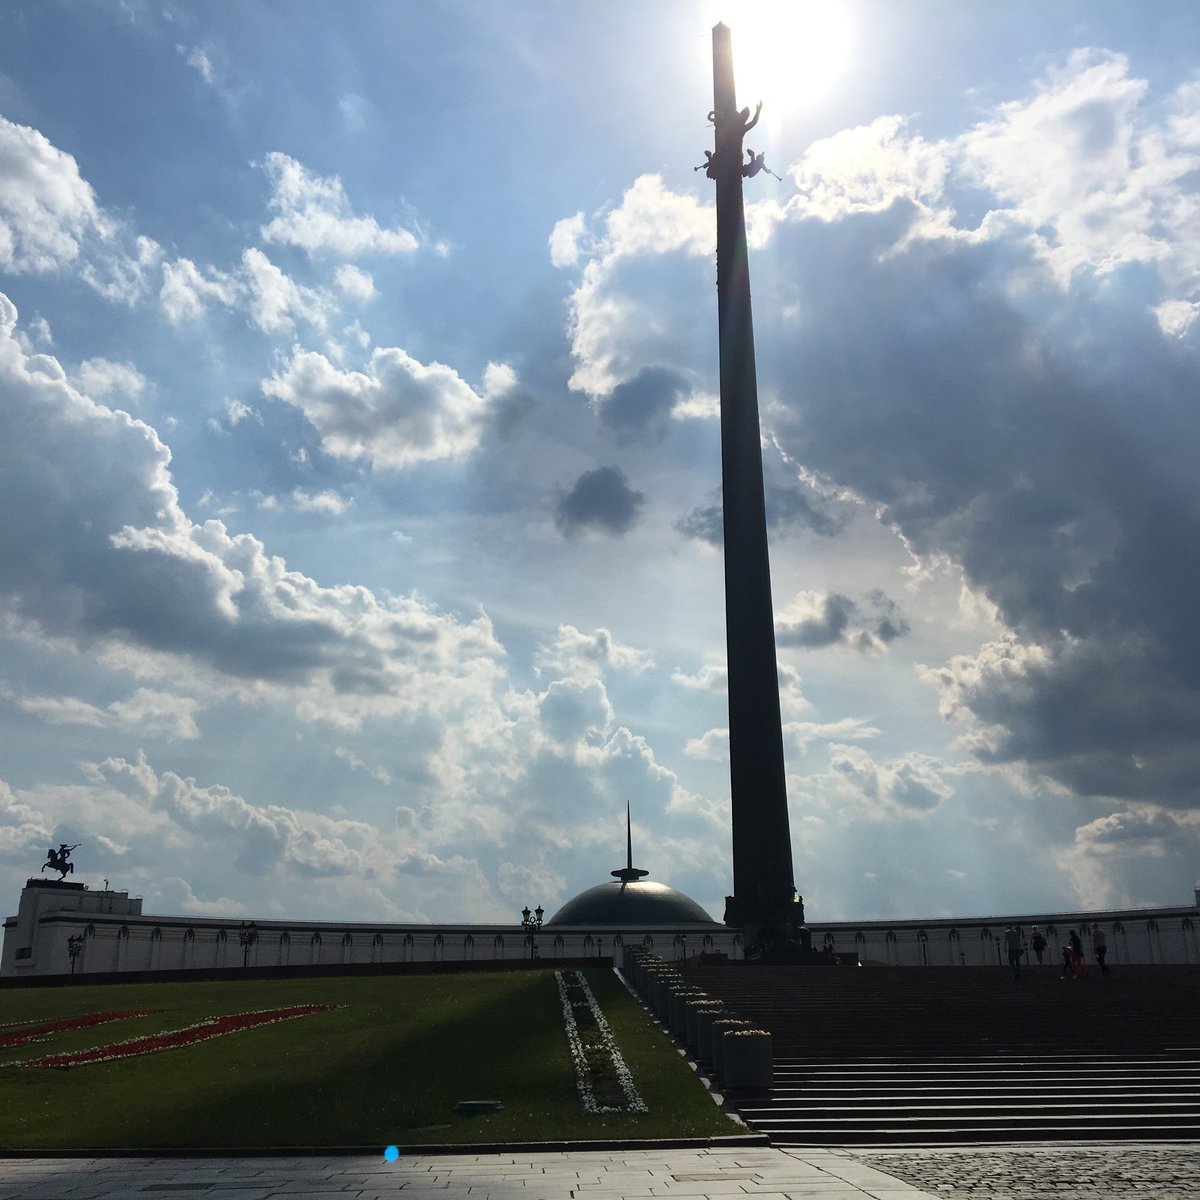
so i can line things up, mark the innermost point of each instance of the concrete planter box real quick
(719, 1030)
(690, 1029)
(678, 1018)
(748, 1065)
(704, 1023)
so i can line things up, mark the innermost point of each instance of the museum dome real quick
(630, 900)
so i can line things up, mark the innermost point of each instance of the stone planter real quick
(664, 985)
(677, 1022)
(748, 1066)
(704, 1023)
(690, 1031)
(719, 1030)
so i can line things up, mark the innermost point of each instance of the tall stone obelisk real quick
(763, 884)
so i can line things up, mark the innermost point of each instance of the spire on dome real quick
(628, 873)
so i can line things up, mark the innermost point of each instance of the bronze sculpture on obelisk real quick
(764, 902)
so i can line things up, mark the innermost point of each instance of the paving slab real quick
(1026, 1171)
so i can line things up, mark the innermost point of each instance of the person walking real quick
(1100, 947)
(1012, 944)
(1076, 944)
(1038, 942)
(1067, 968)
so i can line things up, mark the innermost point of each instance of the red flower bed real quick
(210, 1027)
(27, 1034)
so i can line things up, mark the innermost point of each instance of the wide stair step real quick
(946, 1056)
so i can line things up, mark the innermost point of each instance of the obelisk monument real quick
(763, 885)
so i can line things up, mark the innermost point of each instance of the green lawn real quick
(387, 1067)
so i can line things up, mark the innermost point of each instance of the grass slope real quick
(388, 1067)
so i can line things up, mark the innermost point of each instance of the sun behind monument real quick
(788, 53)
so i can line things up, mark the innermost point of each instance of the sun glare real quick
(788, 53)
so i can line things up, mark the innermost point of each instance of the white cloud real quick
(1097, 182)
(869, 168)
(614, 334)
(147, 711)
(588, 655)
(199, 61)
(566, 240)
(315, 215)
(326, 502)
(47, 208)
(236, 411)
(109, 558)
(710, 746)
(99, 377)
(802, 734)
(272, 299)
(712, 677)
(1124, 857)
(186, 290)
(354, 282)
(909, 787)
(396, 413)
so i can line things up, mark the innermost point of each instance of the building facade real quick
(107, 931)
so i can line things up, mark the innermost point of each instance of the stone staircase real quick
(928, 1055)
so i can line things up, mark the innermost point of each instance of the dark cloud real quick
(1045, 440)
(789, 506)
(104, 552)
(823, 629)
(835, 619)
(640, 408)
(599, 500)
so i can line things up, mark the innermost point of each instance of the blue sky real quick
(360, 466)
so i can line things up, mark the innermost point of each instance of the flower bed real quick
(29, 1033)
(601, 1074)
(210, 1027)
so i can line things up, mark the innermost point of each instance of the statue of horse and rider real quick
(58, 860)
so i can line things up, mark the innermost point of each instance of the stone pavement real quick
(1162, 1171)
(570, 1175)
(1012, 1172)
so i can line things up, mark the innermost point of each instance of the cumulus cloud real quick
(326, 502)
(790, 507)
(588, 655)
(1018, 402)
(599, 500)
(100, 378)
(566, 240)
(1081, 166)
(354, 282)
(147, 711)
(818, 619)
(109, 557)
(710, 746)
(617, 331)
(272, 299)
(47, 209)
(571, 709)
(869, 168)
(905, 788)
(641, 407)
(395, 413)
(314, 213)
(1127, 856)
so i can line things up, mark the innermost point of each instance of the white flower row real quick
(633, 1101)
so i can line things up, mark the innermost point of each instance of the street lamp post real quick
(74, 950)
(531, 922)
(247, 935)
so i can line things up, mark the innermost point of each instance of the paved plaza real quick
(1019, 1172)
